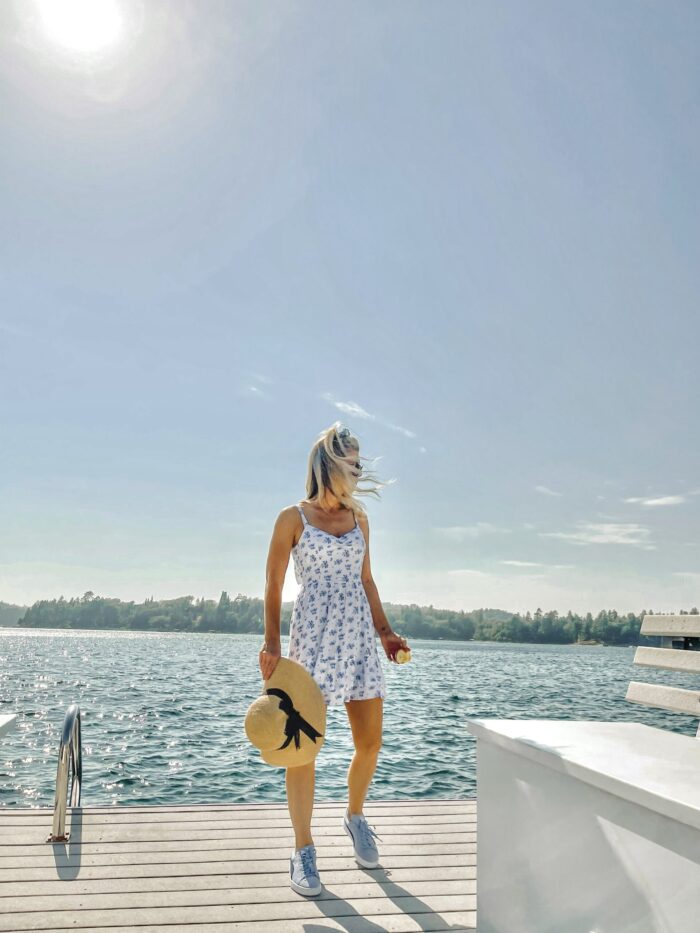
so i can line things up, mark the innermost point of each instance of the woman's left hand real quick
(392, 643)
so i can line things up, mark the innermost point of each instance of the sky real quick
(467, 230)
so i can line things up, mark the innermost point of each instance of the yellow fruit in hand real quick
(403, 655)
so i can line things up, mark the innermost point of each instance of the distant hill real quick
(9, 614)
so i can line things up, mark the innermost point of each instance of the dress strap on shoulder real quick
(303, 517)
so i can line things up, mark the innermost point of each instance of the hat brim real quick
(308, 700)
(283, 758)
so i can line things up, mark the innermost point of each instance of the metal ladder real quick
(69, 753)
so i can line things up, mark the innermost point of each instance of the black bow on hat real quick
(295, 721)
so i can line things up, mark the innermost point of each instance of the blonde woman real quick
(336, 617)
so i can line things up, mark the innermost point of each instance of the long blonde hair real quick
(329, 471)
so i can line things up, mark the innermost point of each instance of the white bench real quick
(593, 827)
(679, 651)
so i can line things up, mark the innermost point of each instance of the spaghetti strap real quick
(303, 517)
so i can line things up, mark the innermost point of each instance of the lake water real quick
(162, 714)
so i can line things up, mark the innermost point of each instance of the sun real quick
(81, 26)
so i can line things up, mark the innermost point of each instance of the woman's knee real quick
(368, 744)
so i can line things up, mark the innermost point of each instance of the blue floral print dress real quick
(331, 631)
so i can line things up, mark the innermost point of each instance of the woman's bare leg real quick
(300, 800)
(366, 723)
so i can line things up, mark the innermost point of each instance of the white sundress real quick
(331, 631)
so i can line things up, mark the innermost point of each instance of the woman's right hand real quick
(269, 656)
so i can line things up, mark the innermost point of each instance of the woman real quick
(332, 633)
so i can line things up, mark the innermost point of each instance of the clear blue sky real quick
(467, 229)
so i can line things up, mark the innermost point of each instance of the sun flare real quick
(81, 26)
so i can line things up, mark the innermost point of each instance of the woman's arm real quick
(390, 640)
(277, 561)
(381, 623)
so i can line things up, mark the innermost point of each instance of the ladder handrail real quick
(69, 753)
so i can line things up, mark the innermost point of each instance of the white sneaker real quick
(361, 833)
(303, 875)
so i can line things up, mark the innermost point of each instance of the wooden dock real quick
(213, 868)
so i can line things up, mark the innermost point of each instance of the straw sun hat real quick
(288, 721)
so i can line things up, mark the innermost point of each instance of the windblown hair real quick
(329, 471)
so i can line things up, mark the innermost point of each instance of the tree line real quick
(10, 614)
(244, 614)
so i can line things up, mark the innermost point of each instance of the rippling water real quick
(162, 714)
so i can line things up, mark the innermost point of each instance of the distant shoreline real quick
(456, 641)
(245, 615)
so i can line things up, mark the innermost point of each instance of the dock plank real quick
(455, 921)
(223, 867)
(332, 905)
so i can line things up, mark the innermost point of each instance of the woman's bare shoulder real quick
(362, 519)
(288, 517)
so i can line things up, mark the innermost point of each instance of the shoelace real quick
(307, 861)
(367, 832)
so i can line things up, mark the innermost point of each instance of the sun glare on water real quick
(84, 27)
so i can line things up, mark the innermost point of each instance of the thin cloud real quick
(625, 533)
(397, 427)
(250, 390)
(254, 392)
(357, 411)
(546, 491)
(468, 572)
(687, 574)
(533, 563)
(349, 408)
(494, 578)
(659, 500)
(522, 563)
(462, 532)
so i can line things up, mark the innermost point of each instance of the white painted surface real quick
(572, 837)
(652, 767)
(685, 626)
(671, 659)
(659, 695)
(7, 723)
